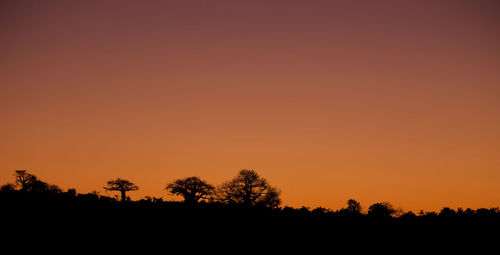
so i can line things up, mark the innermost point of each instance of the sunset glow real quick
(394, 101)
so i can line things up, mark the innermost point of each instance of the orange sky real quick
(329, 100)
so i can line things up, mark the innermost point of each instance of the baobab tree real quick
(24, 179)
(121, 185)
(30, 182)
(192, 189)
(249, 189)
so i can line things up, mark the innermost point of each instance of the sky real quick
(393, 101)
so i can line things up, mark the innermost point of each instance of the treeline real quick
(247, 192)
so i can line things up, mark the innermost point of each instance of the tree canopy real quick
(121, 185)
(381, 209)
(247, 188)
(192, 189)
(30, 182)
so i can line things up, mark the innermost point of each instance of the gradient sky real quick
(394, 101)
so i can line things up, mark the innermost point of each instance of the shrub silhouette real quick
(353, 208)
(382, 209)
(9, 187)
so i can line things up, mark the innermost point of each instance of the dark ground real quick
(39, 221)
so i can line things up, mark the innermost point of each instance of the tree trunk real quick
(124, 197)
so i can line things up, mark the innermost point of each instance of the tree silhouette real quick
(353, 206)
(121, 185)
(25, 179)
(249, 189)
(382, 209)
(29, 182)
(446, 211)
(192, 189)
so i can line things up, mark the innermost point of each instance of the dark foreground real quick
(86, 221)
